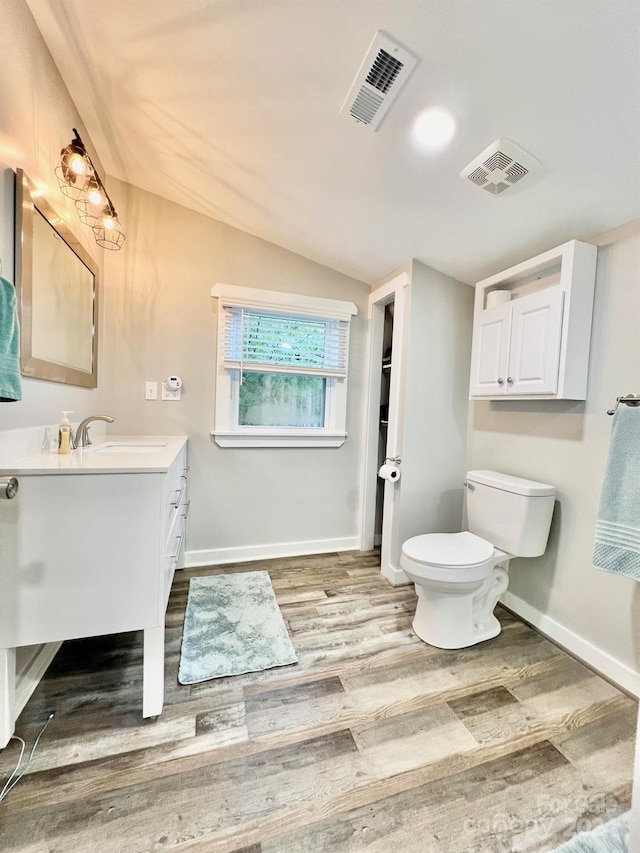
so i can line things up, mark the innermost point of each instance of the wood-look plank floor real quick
(373, 742)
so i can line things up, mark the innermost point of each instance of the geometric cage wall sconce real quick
(79, 180)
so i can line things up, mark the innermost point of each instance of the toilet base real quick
(485, 632)
(462, 618)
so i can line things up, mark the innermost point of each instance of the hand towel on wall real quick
(617, 543)
(10, 385)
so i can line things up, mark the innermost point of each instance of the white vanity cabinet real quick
(536, 345)
(90, 546)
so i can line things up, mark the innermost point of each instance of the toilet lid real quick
(448, 549)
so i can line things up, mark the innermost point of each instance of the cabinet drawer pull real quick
(509, 380)
(179, 548)
(179, 492)
(186, 509)
(500, 380)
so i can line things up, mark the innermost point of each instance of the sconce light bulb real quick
(78, 164)
(95, 196)
(108, 222)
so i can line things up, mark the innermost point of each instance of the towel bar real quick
(628, 400)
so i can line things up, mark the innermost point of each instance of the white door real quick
(536, 330)
(490, 352)
(395, 291)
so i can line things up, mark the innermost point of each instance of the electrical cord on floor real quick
(11, 782)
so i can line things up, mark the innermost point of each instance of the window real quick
(282, 369)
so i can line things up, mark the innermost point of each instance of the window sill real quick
(278, 439)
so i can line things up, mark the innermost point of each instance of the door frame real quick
(396, 291)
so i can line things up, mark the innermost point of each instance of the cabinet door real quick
(84, 557)
(490, 352)
(536, 330)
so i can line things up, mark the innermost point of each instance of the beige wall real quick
(566, 443)
(436, 403)
(37, 116)
(161, 321)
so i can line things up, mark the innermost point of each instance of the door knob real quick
(8, 488)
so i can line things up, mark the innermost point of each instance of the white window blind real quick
(273, 342)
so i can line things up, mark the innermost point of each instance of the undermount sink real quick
(129, 447)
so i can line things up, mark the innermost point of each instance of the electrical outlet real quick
(169, 393)
(150, 390)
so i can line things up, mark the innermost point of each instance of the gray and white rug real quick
(610, 837)
(232, 625)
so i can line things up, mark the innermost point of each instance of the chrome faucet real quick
(82, 433)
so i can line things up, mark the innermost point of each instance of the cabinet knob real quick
(8, 487)
(500, 380)
(509, 380)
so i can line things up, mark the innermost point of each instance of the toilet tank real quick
(512, 513)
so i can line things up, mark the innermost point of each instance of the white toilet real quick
(460, 576)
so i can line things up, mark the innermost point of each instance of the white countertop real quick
(113, 454)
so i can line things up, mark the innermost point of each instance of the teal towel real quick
(10, 385)
(617, 544)
(610, 837)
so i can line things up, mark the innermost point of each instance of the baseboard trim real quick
(395, 576)
(248, 553)
(29, 677)
(611, 668)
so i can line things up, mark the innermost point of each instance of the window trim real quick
(226, 431)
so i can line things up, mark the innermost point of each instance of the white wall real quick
(566, 443)
(245, 503)
(36, 121)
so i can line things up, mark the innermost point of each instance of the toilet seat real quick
(453, 557)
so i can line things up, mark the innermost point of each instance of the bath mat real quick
(610, 837)
(232, 625)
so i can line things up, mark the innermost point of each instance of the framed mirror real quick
(57, 285)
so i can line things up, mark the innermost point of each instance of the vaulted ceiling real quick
(232, 108)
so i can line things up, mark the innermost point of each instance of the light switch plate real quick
(169, 394)
(150, 390)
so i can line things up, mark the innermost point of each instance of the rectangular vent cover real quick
(499, 167)
(385, 69)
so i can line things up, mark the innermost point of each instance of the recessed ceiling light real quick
(434, 128)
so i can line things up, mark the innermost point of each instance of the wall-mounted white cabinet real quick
(536, 344)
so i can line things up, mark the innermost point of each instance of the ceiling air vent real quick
(384, 71)
(499, 167)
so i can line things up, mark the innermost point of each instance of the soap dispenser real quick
(64, 434)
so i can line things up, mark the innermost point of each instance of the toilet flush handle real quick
(469, 486)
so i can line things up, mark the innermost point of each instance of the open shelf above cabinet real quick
(532, 327)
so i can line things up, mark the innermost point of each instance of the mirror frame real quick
(26, 199)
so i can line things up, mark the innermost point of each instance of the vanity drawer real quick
(176, 489)
(174, 550)
(174, 545)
